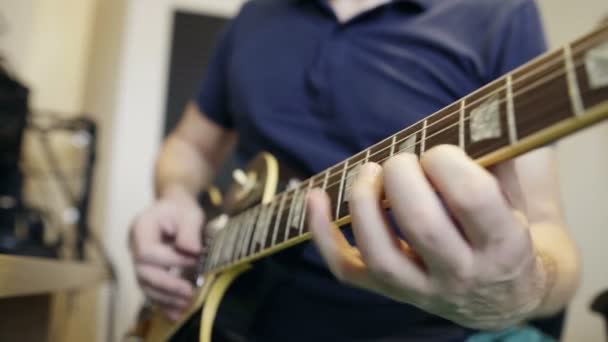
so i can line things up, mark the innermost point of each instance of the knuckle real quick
(173, 287)
(478, 195)
(340, 274)
(425, 232)
(341, 269)
(382, 270)
(461, 276)
(428, 237)
(360, 191)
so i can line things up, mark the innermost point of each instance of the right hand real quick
(165, 236)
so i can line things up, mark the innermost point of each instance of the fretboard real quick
(550, 97)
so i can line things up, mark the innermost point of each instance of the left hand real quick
(474, 263)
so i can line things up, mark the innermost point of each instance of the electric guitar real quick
(552, 96)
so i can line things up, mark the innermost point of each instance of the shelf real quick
(20, 276)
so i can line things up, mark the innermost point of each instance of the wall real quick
(47, 42)
(47, 45)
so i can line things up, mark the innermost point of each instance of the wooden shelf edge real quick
(20, 276)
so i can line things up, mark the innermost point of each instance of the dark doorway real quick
(192, 43)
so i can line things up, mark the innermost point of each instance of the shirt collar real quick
(424, 4)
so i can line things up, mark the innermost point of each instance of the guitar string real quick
(539, 82)
(562, 71)
(527, 89)
(559, 59)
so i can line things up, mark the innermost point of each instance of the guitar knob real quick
(240, 177)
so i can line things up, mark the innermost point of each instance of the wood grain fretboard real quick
(554, 95)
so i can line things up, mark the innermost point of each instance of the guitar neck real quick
(552, 96)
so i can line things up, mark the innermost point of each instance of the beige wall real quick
(47, 44)
(137, 123)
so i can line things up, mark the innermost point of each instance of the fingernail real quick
(369, 170)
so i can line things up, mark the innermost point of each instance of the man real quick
(314, 82)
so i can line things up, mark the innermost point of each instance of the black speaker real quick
(13, 116)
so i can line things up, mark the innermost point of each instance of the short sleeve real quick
(213, 97)
(522, 38)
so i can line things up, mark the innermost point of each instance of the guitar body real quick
(199, 322)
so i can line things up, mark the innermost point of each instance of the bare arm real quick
(192, 153)
(532, 183)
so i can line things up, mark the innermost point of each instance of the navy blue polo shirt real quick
(291, 79)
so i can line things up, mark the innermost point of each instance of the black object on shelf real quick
(87, 130)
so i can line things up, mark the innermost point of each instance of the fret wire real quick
(305, 209)
(215, 248)
(278, 220)
(461, 124)
(325, 178)
(236, 232)
(393, 142)
(266, 226)
(423, 138)
(342, 186)
(244, 226)
(573, 88)
(250, 231)
(291, 208)
(219, 249)
(225, 243)
(511, 111)
(256, 229)
(227, 250)
(238, 241)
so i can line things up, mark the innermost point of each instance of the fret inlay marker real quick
(409, 145)
(298, 206)
(596, 64)
(250, 232)
(485, 120)
(350, 179)
(292, 207)
(461, 124)
(278, 220)
(264, 225)
(573, 88)
(339, 202)
(511, 111)
(423, 138)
